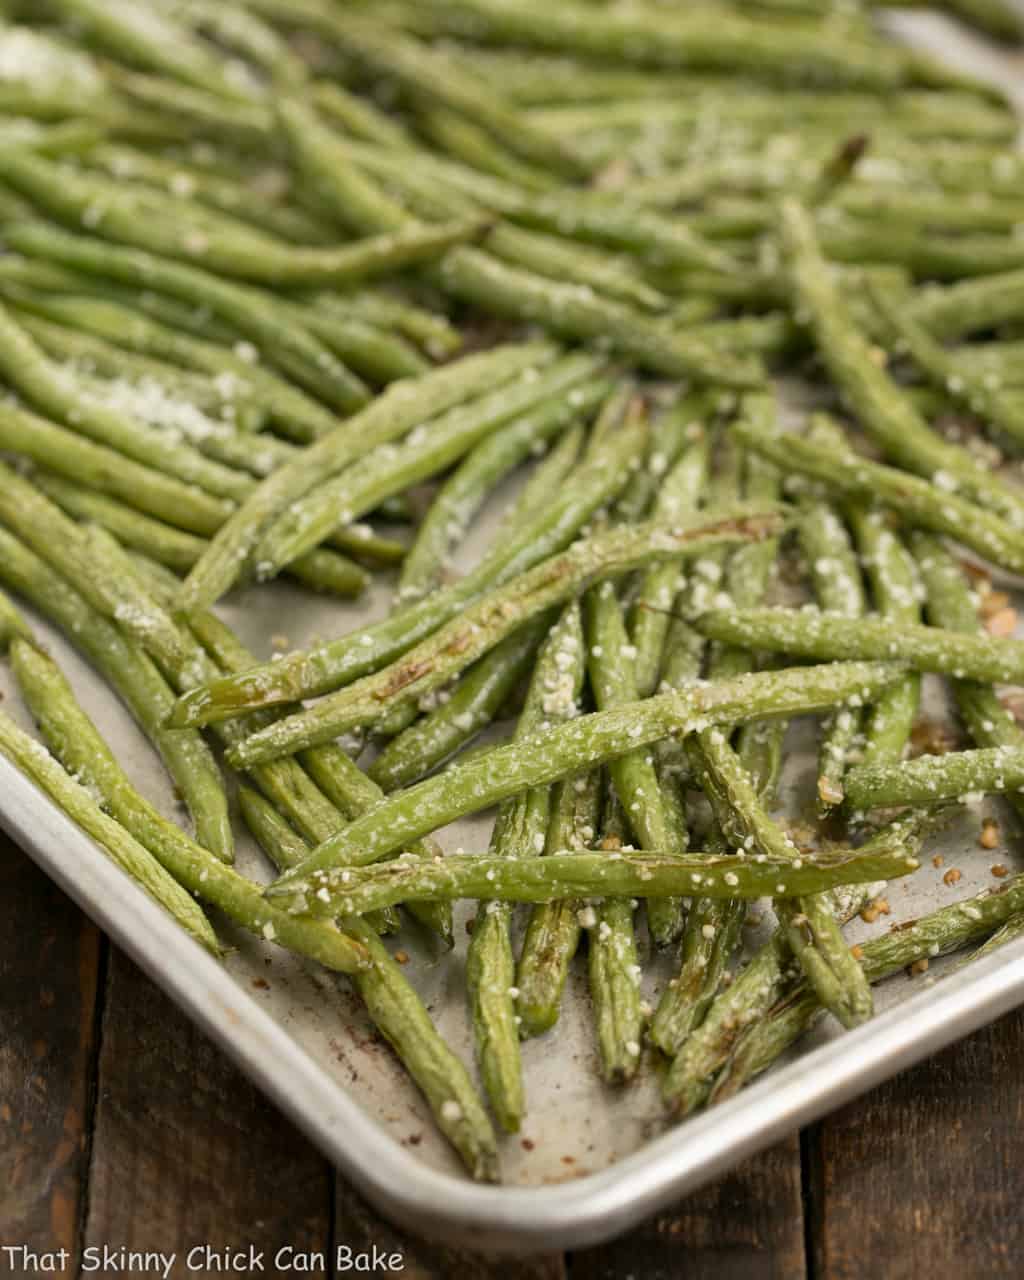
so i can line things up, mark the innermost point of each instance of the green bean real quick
(85, 754)
(436, 189)
(156, 42)
(477, 277)
(810, 927)
(99, 363)
(461, 496)
(225, 195)
(320, 570)
(465, 141)
(894, 587)
(136, 680)
(392, 414)
(99, 467)
(713, 927)
(936, 211)
(179, 112)
(427, 75)
(325, 785)
(613, 969)
(649, 801)
(756, 988)
(933, 935)
(53, 391)
(929, 506)
(12, 626)
(834, 571)
(369, 351)
(245, 34)
(587, 216)
(544, 486)
(949, 604)
(519, 831)
(925, 256)
(696, 41)
(293, 350)
(970, 306)
(881, 409)
(289, 408)
(137, 218)
(74, 800)
(652, 610)
(144, 589)
(397, 1011)
(358, 115)
(709, 940)
(946, 374)
(429, 665)
(556, 924)
(826, 637)
(930, 115)
(473, 704)
(364, 651)
(559, 392)
(433, 332)
(589, 741)
(358, 890)
(930, 780)
(1009, 932)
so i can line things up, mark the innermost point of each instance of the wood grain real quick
(186, 1152)
(360, 1228)
(925, 1175)
(49, 980)
(748, 1225)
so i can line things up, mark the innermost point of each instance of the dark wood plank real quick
(186, 1152)
(49, 977)
(359, 1228)
(925, 1175)
(747, 1225)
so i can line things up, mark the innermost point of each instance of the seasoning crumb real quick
(857, 952)
(568, 1159)
(989, 838)
(261, 984)
(938, 860)
(829, 791)
(470, 924)
(951, 876)
(527, 1144)
(918, 967)
(999, 870)
(877, 907)
(402, 957)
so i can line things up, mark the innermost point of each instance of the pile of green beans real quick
(478, 309)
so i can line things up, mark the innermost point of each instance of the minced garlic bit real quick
(918, 967)
(999, 870)
(989, 838)
(951, 876)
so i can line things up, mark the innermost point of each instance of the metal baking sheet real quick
(595, 1160)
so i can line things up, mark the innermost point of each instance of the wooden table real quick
(121, 1125)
